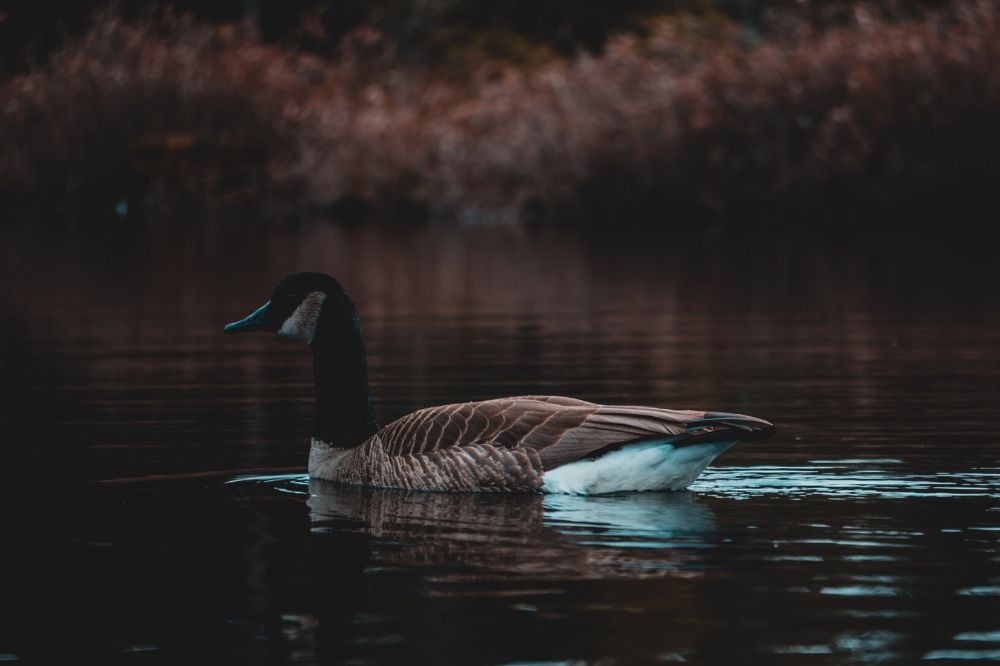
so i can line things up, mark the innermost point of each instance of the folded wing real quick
(560, 430)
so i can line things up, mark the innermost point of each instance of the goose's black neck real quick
(344, 413)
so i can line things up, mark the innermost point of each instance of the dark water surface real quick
(156, 509)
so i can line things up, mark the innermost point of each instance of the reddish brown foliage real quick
(873, 112)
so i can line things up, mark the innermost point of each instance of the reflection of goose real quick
(386, 512)
(511, 444)
(649, 517)
(553, 537)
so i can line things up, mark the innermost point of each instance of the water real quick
(156, 509)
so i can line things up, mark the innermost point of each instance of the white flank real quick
(641, 466)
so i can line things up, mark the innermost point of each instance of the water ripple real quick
(846, 479)
(832, 478)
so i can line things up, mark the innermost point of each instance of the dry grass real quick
(872, 113)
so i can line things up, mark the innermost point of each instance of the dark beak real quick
(259, 320)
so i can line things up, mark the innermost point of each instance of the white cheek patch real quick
(301, 324)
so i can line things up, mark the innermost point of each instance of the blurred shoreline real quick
(873, 119)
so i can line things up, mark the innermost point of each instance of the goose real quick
(531, 443)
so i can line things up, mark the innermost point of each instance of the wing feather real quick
(558, 429)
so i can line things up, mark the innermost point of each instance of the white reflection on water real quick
(981, 591)
(872, 646)
(648, 520)
(965, 655)
(986, 636)
(847, 479)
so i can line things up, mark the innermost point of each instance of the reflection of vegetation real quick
(690, 114)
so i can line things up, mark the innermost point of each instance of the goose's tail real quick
(723, 427)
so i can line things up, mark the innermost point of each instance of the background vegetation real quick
(647, 111)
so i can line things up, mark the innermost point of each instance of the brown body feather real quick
(495, 445)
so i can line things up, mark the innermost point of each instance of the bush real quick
(127, 104)
(688, 119)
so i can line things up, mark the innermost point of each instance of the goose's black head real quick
(294, 308)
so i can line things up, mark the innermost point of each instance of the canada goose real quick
(519, 444)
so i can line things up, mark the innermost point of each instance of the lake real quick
(157, 509)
